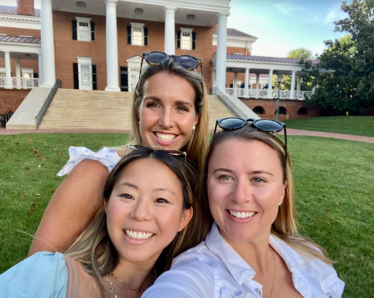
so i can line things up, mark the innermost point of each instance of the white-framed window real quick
(85, 73)
(83, 29)
(137, 34)
(186, 39)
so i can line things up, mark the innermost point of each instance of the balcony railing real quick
(19, 83)
(263, 93)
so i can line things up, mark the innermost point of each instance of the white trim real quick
(19, 21)
(88, 22)
(84, 61)
(189, 31)
(133, 68)
(137, 25)
(140, 26)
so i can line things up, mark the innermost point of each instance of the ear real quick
(186, 217)
(196, 119)
(283, 193)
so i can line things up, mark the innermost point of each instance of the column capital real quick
(223, 15)
(6, 51)
(111, 2)
(170, 9)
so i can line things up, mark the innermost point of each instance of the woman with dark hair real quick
(254, 248)
(170, 110)
(148, 202)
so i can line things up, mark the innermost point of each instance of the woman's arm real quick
(71, 208)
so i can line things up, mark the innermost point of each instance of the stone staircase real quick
(102, 110)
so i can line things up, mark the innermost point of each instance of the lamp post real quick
(279, 80)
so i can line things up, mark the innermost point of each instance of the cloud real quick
(334, 15)
(284, 8)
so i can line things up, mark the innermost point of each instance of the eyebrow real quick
(129, 184)
(250, 173)
(165, 189)
(178, 102)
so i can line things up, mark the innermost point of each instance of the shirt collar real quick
(235, 264)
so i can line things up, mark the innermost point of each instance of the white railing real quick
(20, 83)
(263, 93)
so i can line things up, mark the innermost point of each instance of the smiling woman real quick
(253, 249)
(148, 202)
(169, 110)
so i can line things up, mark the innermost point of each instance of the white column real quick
(270, 84)
(169, 47)
(8, 77)
(292, 93)
(235, 84)
(298, 87)
(221, 51)
(246, 78)
(111, 46)
(18, 73)
(257, 84)
(48, 51)
(40, 69)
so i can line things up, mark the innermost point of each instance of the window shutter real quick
(36, 75)
(74, 26)
(94, 78)
(145, 36)
(194, 40)
(92, 30)
(178, 40)
(128, 34)
(76, 75)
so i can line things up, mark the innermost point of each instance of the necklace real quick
(275, 270)
(140, 290)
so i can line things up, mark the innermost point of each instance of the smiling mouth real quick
(138, 235)
(166, 137)
(241, 214)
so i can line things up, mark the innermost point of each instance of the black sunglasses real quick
(186, 61)
(175, 153)
(264, 125)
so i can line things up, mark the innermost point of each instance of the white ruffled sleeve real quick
(107, 157)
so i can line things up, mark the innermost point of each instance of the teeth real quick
(138, 235)
(165, 137)
(242, 214)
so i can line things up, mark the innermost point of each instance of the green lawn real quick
(351, 125)
(334, 191)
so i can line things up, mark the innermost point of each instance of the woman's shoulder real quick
(43, 274)
(105, 156)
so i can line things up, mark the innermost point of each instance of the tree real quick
(302, 54)
(350, 87)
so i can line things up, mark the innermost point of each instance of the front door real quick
(124, 79)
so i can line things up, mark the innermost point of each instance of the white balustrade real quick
(263, 93)
(20, 83)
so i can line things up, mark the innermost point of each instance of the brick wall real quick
(292, 107)
(24, 63)
(10, 100)
(20, 31)
(67, 49)
(25, 7)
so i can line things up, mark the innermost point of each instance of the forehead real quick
(247, 155)
(148, 174)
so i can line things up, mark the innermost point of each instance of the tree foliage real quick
(347, 84)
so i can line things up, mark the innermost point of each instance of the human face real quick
(167, 113)
(147, 200)
(245, 187)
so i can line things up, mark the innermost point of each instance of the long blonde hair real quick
(94, 249)
(199, 142)
(285, 225)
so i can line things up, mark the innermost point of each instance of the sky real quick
(280, 25)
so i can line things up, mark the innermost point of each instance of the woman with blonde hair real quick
(147, 204)
(254, 248)
(170, 110)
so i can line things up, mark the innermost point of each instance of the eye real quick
(224, 177)
(182, 109)
(162, 201)
(127, 196)
(258, 180)
(152, 104)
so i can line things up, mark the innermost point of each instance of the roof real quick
(266, 59)
(13, 10)
(18, 39)
(234, 32)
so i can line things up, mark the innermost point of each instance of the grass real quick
(352, 125)
(334, 191)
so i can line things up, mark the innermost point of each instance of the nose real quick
(142, 211)
(241, 192)
(166, 118)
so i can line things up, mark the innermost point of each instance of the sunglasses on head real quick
(175, 153)
(264, 125)
(188, 62)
